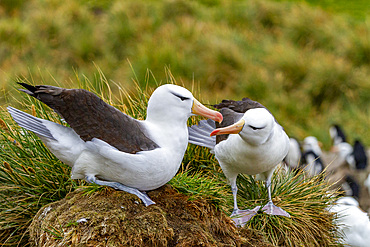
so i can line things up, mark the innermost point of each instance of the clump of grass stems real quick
(31, 177)
(200, 185)
(304, 198)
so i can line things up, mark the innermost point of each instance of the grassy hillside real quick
(309, 67)
(358, 10)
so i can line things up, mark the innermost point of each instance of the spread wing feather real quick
(200, 134)
(91, 117)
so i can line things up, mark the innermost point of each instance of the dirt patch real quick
(115, 218)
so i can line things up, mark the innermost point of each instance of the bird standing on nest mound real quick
(249, 141)
(107, 147)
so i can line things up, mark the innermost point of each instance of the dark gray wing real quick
(229, 117)
(92, 118)
(240, 106)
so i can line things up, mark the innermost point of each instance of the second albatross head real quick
(255, 127)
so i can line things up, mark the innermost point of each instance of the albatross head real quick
(311, 143)
(255, 127)
(172, 103)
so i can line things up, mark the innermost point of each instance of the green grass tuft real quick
(30, 177)
(198, 185)
(304, 198)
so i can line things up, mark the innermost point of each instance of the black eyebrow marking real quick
(256, 128)
(179, 96)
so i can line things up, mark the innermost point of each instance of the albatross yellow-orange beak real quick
(231, 129)
(201, 110)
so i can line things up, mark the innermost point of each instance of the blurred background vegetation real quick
(307, 61)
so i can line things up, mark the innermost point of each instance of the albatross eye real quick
(181, 97)
(255, 128)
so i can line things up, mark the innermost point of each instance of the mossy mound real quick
(115, 218)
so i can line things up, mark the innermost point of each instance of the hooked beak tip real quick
(213, 133)
(220, 117)
(231, 129)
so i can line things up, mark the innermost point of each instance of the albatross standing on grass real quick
(253, 143)
(107, 147)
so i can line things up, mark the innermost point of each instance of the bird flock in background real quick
(352, 162)
(307, 155)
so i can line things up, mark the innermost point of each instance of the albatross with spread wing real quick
(107, 147)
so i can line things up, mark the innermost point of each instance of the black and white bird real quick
(354, 156)
(311, 161)
(337, 134)
(359, 157)
(107, 147)
(249, 141)
(351, 187)
(340, 145)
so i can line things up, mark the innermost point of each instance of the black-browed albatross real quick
(107, 147)
(249, 141)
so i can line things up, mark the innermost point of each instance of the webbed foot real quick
(270, 208)
(142, 195)
(241, 217)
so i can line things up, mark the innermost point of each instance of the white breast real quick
(238, 156)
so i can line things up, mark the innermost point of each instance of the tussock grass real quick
(202, 185)
(304, 198)
(30, 177)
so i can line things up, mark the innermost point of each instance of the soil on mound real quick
(115, 218)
